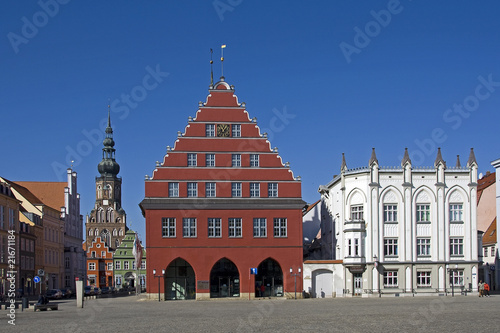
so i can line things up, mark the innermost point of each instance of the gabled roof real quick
(26, 193)
(483, 183)
(311, 206)
(490, 236)
(50, 193)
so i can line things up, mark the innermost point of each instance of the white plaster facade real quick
(401, 230)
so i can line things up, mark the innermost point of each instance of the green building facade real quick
(126, 272)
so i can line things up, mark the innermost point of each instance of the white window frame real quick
(189, 227)
(173, 190)
(234, 228)
(456, 212)
(423, 246)
(390, 213)
(280, 227)
(210, 189)
(168, 227)
(110, 266)
(126, 265)
(192, 189)
(214, 227)
(272, 190)
(118, 265)
(390, 279)
(259, 227)
(236, 160)
(236, 130)
(390, 247)
(254, 190)
(456, 246)
(457, 277)
(210, 160)
(424, 279)
(423, 213)
(192, 160)
(254, 160)
(357, 213)
(236, 190)
(91, 266)
(210, 130)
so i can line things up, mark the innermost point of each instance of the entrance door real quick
(179, 280)
(358, 284)
(224, 279)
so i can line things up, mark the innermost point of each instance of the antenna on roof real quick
(222, 60)
(211, 69)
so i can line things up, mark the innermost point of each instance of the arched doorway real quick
(224, 279)
(269, 279)
(322, 283)
(129, 280)
(180, 280)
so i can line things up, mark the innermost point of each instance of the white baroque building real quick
(399, 230)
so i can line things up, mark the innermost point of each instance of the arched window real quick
(117, 243)
(106, 237)
(115, 233)
(91, 232)
(96, 232)
(100, 215)
(121, 232)
(109, 215)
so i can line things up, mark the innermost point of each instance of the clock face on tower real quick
(223, 130)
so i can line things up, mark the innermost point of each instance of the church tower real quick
(108, 218)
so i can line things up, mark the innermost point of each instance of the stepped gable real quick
(222, 109)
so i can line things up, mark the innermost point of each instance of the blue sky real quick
(322, 77)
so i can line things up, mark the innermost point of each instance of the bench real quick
(45, 307)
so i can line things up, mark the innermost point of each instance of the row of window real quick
(423, 278)
(423, 213)
(210, 190)
(118, 265)
(222, 130)
(192, 160)
(423, 246)
(214, 227)
(115, 232)
(492, 251)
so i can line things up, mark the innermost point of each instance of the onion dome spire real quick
(108, 166)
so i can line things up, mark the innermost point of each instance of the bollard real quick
(25, 304)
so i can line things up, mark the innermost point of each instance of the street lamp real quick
(452, 271)
(158, 276)
(295, 279)
(375, 263)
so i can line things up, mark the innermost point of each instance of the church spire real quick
(108, 166)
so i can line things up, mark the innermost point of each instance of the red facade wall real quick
(202, 252)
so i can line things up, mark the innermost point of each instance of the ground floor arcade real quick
(238, 274)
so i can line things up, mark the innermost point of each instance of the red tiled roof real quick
(485, 182)
(490, 235)
(311, 206)
(50, 193)
(25, 192)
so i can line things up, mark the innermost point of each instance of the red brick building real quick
(99, 264)
(221, 203)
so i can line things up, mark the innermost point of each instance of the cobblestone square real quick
(135, 314)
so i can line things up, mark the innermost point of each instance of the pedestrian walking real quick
(487, 289)
(481, 288)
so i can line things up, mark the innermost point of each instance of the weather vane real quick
(222, 59)
(211, 69)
